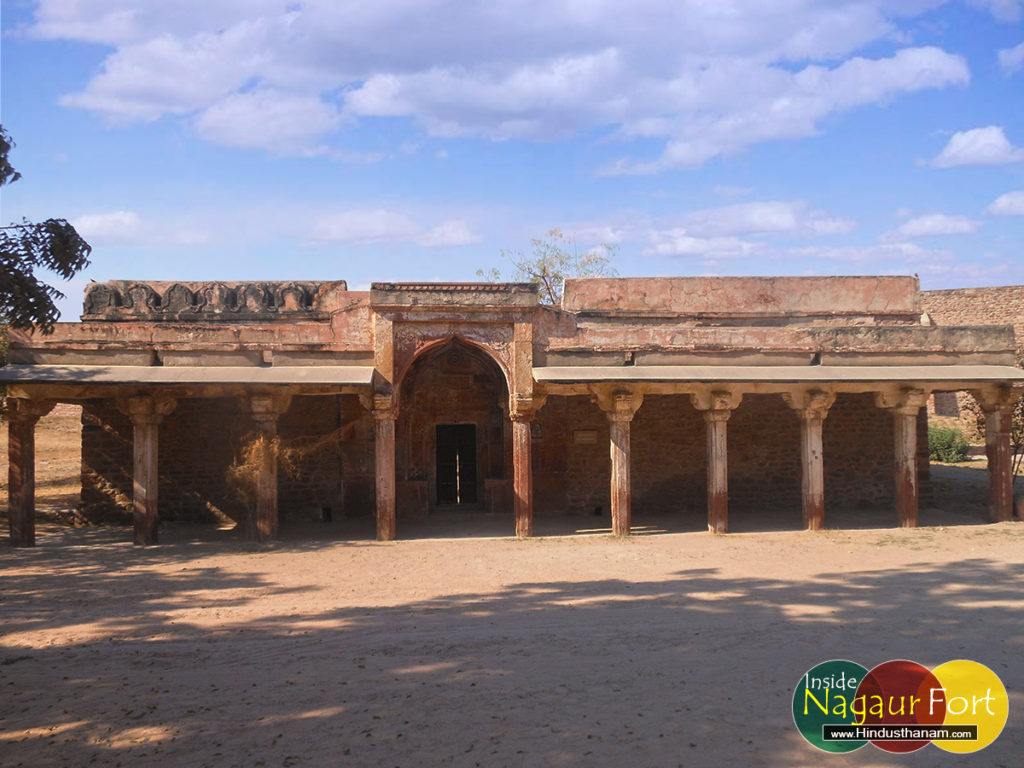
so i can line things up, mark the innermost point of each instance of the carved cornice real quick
(204, 302)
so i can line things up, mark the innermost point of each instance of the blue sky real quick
(414, 140)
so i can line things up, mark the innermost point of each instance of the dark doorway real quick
(456, 464)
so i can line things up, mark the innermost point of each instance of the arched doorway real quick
(453, 446)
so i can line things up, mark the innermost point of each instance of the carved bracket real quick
(905, 401)
(716, 405)
(525, 407)
(997, 398)
(24, 409)
(147, 409)
(810, 403)
(266, 409)
(618, 405)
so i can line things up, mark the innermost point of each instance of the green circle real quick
(825, 696)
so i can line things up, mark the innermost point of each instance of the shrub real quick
(946, 444)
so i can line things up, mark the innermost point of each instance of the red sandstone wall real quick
(669, 457)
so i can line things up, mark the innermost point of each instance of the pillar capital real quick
(524, 407)
(619, 406)
(146, 409)
(716, 405)
(383, 407)
(28, 410)
(905, 401)
(265, 409)
(997, 398)
(810, 403)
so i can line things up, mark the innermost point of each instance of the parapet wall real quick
(884, 299)
(210, 301)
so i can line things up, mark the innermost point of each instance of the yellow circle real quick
(974, 696)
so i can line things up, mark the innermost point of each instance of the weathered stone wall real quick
(997, 305)
(201, 440)
(1000, 305)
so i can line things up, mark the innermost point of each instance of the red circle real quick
(897, 693)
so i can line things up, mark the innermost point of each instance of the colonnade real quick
(811, 406)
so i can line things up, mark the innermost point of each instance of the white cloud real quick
(1012, 59)
(978, 146)
(280, 122)
(380, 225)
(111, 227)
(702, 79)
(1004, 10)
(937, 224)
(773, 217)
(1008, 204)
(449, 233)
(365, 226)
(677, 242)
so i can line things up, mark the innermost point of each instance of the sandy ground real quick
(460, 646)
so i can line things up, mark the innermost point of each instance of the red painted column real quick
(522, 472)
(384, 415)
(904, 405)
(22, 416)
(620, 407)
(998, 404)
(811, 408)
(716, 408)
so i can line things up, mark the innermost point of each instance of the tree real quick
(552, 260)
(26, 301)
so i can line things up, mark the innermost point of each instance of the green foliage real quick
(947, 444)
(552, 260)
(25, 301)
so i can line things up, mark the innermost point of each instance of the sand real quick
(462, 646)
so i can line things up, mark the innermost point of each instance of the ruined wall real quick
(997, 305)
(1000, 305)
(202, 438)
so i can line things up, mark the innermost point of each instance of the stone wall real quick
(998, 305)
(201, 440)
(669, 464)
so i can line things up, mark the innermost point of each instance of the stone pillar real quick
(146, 413)
(384, 415)
(717, 407)
(522, 411)
(620, 407)
(265, 411)
(998, 403)
(22, 415)
(811, 407)
(904, 405)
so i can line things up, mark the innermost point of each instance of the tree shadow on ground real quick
(696, 669)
